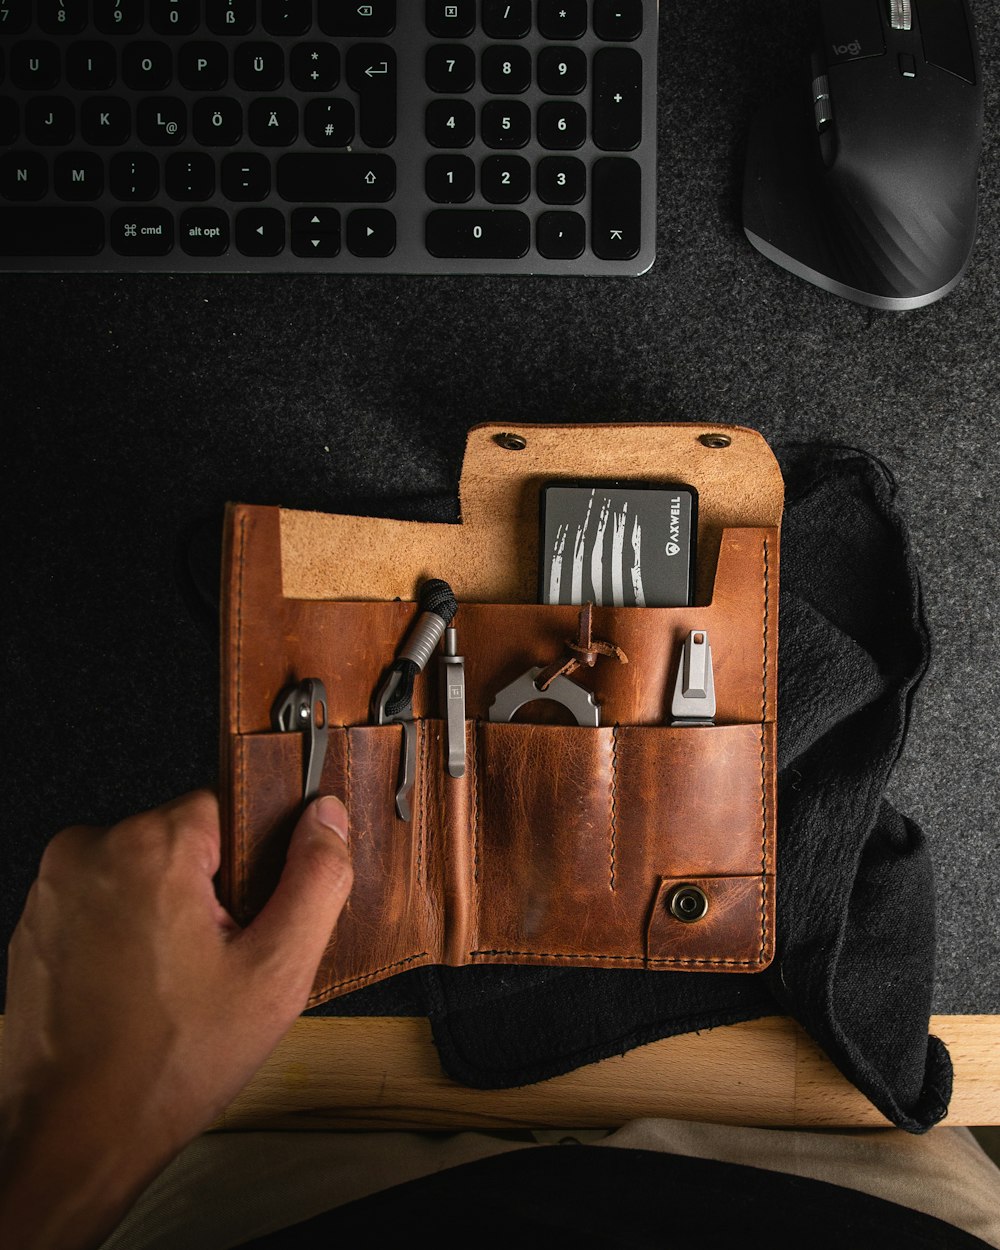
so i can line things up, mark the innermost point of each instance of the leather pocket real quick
(577, 830)
(391, 920)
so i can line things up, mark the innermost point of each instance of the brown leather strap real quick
(585, 650)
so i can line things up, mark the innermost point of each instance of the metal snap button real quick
(714, 440)
(511, 442)
(688, 903)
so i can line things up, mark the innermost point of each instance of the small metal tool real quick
(694, 690)
(561, 690)
(302, 709)
(394, 699)
(453, 702)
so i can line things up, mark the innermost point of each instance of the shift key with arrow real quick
(336, 177)
(371, 72)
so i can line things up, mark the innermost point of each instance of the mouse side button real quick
(852, 30)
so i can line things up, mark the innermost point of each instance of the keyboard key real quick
(478, 234)
(51, 232)
(147, 66)
(506, 19)
(8, 122)
(450, 20)
(259, 66)
(329, 123)
(217, 122)
(34, 65)
(134, 176)
(62, 17)
(246, 176)
(371, 72)
(161, 121)
(450, 67)
(202, 66)
(561, 180)
(141, 231)
(23, 176)
(506, 124)
(105, 121)
(506, 70)
(562, 125)
(562, 19)
(190, 176)
(562, 71)
(450, 179)
(618, 19)
(615, 208)
(561, 236)
(373, 20)
(230, 17)
(371, 232)
(204, 231)
(316, 231)
(174, 17)
(78, 176)
(90, 66)
(336, 178)
(286, 17)
(617, 99)
(273, 122)
(505, 179)
(15, 16)
(118, 17)
(260, 231)
(49, 121)
(315, 67)
(450, 123)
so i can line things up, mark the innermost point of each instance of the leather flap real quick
(492, 556)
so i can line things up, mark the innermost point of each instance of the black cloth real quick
(588, 1196)
(855, 899)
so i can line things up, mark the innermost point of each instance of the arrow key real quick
(260, 232)
(371, 232)
(316, 232)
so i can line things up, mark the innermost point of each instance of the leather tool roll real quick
(561, 844)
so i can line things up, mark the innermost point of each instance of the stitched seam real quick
(475, 812)
(422, 799)
(614, 801)
(320, 994)
(240, 883)
(634, 959)
(763, 768)
(241, 823)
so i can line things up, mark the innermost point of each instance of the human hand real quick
(137, 1008)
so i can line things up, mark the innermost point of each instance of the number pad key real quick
(450, 19)
(562, 125)
(506, 19)
(450, 123)
(506, 70)
(561, 236)
(561, 180)
(562, 71)
(450, 179)
(562, 19)
(478, 234)
(505, 179)
(450, 67)
(506, 124)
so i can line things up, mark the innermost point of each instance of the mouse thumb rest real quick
(885, 231)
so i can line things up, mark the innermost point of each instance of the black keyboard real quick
(328, 136)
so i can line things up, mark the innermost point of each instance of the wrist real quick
(64, 1182)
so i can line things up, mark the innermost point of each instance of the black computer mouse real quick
(864, 180)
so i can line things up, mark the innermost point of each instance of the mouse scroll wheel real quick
(901, 14)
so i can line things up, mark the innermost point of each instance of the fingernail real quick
(331, 813)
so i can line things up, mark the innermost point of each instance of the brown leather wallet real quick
(561, 844)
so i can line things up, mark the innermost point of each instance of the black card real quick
(628, 544)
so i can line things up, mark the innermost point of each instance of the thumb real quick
(317, 877)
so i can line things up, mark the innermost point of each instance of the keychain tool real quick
(694, 690)
(560, 690)
(394, 700)
(302, 709)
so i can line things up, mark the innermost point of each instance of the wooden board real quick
(384, 1073)
(371, 1073)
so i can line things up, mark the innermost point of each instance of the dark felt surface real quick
(132, 407)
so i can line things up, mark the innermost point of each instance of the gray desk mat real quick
(134, 407)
